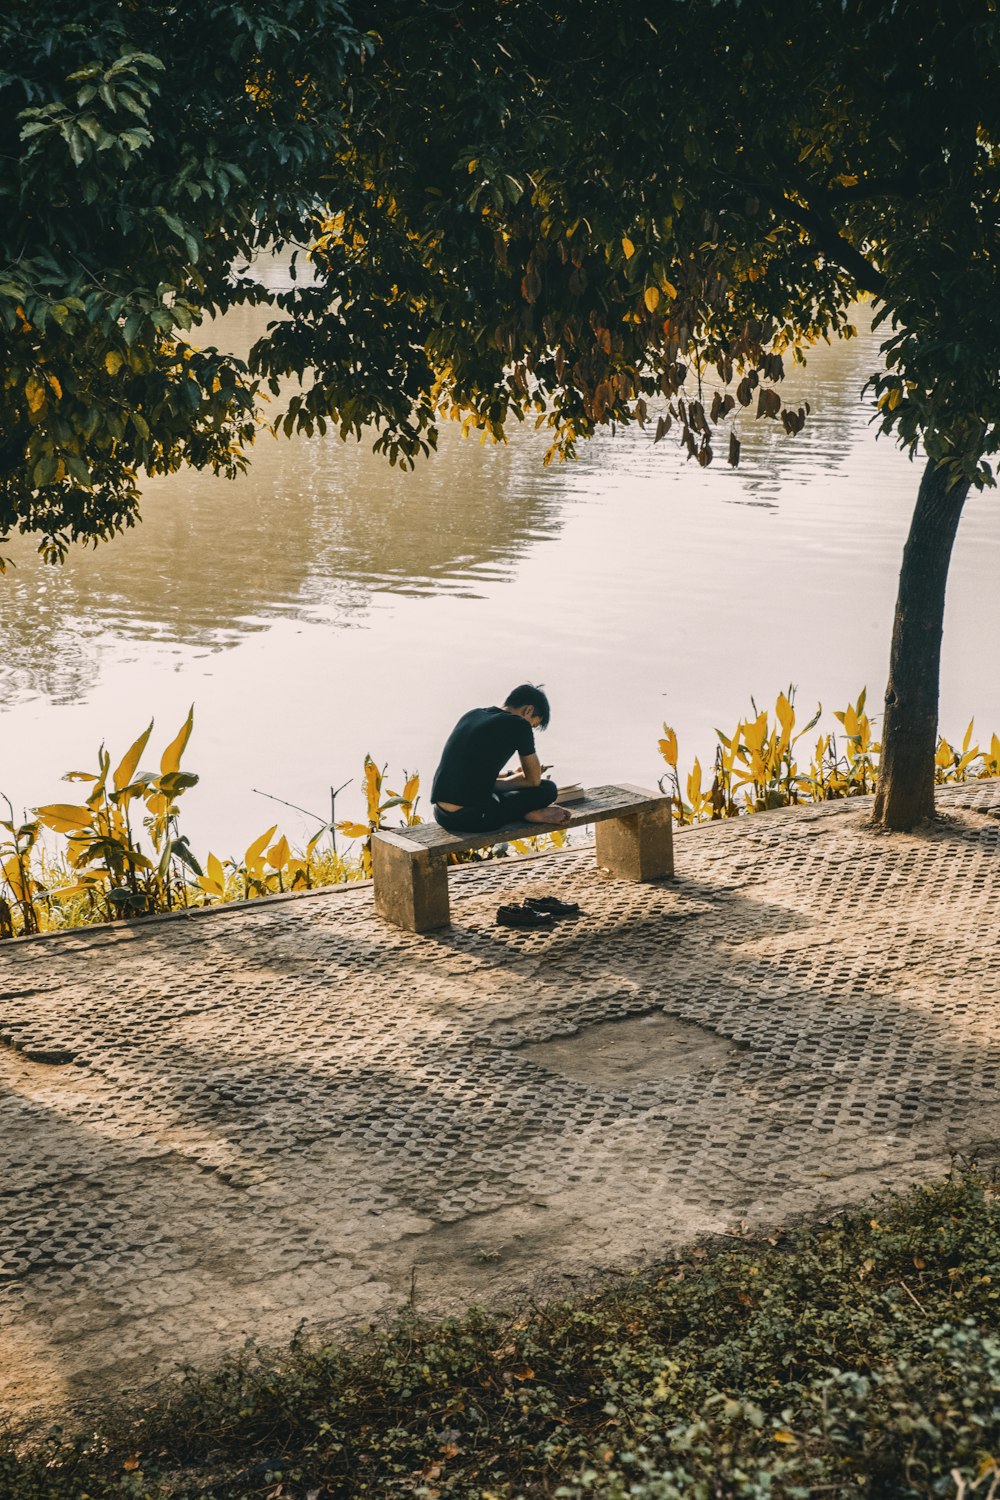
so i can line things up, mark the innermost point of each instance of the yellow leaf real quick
(12, 875)
(278, 855)
(669, 289)
(171, 759)
(753, 734)
(373, 787)
(628, 247)
(35, 392)
(411, 788)
(354, 830)
(216, 873)
(668, 746)
(64, 817)
(258, 846)
(784, 1437)
(113, 362)
(651, 297)
(54, 386)
(786, 714)
(130, 759)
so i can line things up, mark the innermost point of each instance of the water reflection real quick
(317, 529)
(831, 383)
(315, 526)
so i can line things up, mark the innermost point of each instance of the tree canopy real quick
(704, 185)
(145, 151)
(584, 215)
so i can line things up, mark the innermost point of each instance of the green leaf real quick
(45, 470)
(77, 469)
(75, 141)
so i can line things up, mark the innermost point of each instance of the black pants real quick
(503, 807)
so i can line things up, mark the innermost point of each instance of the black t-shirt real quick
(478, 748)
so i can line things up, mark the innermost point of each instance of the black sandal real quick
(553, 906)
(522, 916)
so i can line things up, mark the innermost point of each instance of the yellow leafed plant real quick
(756, 768)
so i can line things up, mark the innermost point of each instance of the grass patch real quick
(860, 1358)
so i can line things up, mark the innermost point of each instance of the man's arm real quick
(530, 774)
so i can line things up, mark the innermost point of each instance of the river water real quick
(326, 605)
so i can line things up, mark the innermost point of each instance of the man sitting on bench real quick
(469, 793)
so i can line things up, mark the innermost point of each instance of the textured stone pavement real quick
(215, 1127)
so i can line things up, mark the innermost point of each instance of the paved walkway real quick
(216, 1127)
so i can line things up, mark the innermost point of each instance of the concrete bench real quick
(410, 865)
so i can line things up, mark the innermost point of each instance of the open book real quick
(571, 792)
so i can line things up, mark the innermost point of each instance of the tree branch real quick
(826, 236)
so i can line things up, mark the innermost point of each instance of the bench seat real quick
(410, 865)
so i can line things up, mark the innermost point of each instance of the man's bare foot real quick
(554, 816)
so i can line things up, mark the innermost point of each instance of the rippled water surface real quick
(326, 605)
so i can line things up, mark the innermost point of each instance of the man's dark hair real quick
(529, 696)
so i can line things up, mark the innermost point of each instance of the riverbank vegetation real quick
(119, 854)
(858, 1360)
(759, 767)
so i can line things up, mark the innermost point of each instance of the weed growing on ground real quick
(859, 1359)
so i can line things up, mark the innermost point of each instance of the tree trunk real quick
(905, 792)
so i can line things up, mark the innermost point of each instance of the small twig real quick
(293, 805)
(912, 1298)
(334, 794)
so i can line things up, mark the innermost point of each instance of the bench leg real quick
(411, 888)
(640, 847)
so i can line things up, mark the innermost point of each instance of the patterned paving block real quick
(215, 1127)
